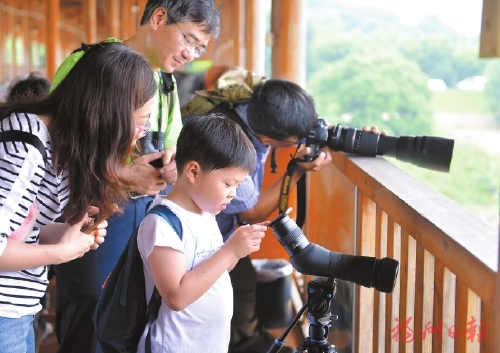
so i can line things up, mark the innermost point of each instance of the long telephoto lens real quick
(429, 152)
(312, 259)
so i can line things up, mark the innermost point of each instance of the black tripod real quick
(319, 298)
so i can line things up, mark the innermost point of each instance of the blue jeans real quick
(17, 335)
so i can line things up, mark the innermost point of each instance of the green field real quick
(455, 101)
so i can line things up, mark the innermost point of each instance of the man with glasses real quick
(171, 33)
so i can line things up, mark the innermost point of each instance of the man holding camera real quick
(171, 33)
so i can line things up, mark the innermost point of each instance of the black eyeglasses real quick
(189, 44)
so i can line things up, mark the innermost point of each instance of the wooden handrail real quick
(465, 244)
(448, 259)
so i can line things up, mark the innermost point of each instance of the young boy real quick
(213, 157)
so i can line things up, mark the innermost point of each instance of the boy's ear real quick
(192, 170)
(159, 18)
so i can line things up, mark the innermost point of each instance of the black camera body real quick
(424, 151)
(154, 141)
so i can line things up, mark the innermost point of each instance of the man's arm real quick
(269, 199)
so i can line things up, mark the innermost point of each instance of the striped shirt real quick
(31, 196)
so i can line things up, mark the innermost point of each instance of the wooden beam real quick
(489, 46)
(53, 37)
(289, 34)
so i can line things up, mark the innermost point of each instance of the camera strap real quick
(301, 192)
(285, 185)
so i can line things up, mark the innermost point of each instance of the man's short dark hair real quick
(215, 142)
(201, 12)
(280, 109)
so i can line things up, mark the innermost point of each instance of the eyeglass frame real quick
(198, 50)
(144, 128)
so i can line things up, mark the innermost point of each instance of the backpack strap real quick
(23, 136)
(155, 301)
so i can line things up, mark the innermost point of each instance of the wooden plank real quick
(449, 295)
(379, 317)
(392, 301)
(437, 320)
(428, 302)
(445, 229)
(419, 297)
(460, 316)
(365, 244)
(404, 321)
(487, 335)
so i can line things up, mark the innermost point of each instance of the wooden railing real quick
(446, 295)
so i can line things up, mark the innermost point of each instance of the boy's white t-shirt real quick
(204, 326)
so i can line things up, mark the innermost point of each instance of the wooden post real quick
(239, 32)
(53, 37)
(26, 34)
(254, 34)
(489, 46)
(288, 21)
(91, 20)
(127, 30)
(114, 18)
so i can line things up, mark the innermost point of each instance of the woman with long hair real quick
(87, 128)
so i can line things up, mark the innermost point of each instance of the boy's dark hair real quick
(201, 12)
(34, 86)
(215, 142)
(280, 109)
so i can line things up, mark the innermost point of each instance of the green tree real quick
(382, 89)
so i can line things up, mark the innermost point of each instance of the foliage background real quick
(364, 67)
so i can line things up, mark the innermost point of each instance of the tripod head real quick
(320, 295)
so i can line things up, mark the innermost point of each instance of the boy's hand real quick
(246, 239)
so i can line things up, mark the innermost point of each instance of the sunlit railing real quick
(444, 298)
